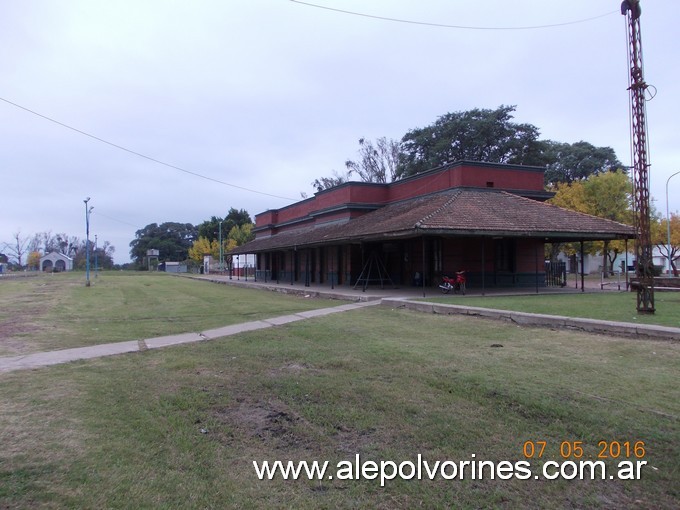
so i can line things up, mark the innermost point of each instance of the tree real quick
(238, 235)
(33, 261)
(377, 162)
(476, 135)
(204, 246)
(241, 234)
(210, 228)
(606, 195)
(660, 239)
(104, 255)
(572, 162)
(17, 248)
(238, 217)
(336, 179)
(171, 239)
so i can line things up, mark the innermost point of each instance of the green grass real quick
(57, 311)
(125, 431)
(613, 306)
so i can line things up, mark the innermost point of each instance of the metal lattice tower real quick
(638, 88)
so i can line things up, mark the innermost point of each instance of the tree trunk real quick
(605, 260)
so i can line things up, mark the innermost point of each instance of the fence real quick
(555, 274)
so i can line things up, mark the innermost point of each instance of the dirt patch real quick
(277, 426)
(11, 332)
(272, 422)
(351, 441)
(293, 368)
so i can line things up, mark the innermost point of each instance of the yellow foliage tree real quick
(606, 195)
(238, 235)
(660, 239)
(201, 247)
(34, 260)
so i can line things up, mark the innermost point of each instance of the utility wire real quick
(120, 147)
(459, 27)
(99, 213)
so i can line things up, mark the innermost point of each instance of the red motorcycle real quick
(456, 284)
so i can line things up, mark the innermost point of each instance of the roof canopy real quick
(455, 212)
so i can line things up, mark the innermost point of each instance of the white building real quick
(55, 261)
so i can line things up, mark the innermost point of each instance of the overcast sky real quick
(270, 94)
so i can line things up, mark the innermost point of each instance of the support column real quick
(536, 264)
(626, 262)
(422, 274)
(483, 266)
(582, 269)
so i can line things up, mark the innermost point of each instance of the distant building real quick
(56, 262)
(487, 219)
(172, 267)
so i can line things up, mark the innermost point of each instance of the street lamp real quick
(668, 223)
(87, 241)
(221, 254)
(96, 264)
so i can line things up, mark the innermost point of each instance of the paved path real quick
(43, 359)
(401, 298)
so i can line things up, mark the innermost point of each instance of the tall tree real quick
(204, 246)
(577, 161)
(378, 162)
(171, 239)
(209, 229)
(334, 180)
(477, 135)
(18, 247)
(238, 217)
(606, 195)
(235, 217)
(33, 261)
(102, 256)
(483, 135)
(238, 235)
(241, 234)
(660, 239)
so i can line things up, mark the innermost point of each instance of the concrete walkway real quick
(43, 359)
(625, 329)
(394, 298)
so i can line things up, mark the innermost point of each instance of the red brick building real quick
(487, 219)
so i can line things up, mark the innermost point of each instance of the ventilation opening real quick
(489, 184)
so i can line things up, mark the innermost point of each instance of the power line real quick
(130, 151)
(99, 213)
(459, 27)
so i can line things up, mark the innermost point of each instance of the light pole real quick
(221, 254)
(96, 264)
(668, 223)
(87, 241)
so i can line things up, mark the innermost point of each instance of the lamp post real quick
(221, 254)
(87, 241)
(668, 223)
(96, 264)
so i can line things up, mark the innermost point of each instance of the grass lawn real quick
(180, 427)
(613, 306)
(57, 311)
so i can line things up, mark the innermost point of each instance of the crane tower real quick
(638, 88)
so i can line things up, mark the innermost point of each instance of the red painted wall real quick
(343, 197)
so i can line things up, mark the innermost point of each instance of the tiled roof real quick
(463, 212)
